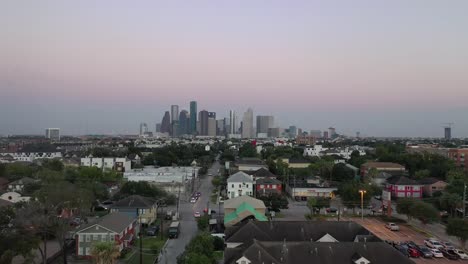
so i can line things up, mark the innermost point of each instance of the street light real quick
(362, 192)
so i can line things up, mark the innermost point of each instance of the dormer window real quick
(243, 260)
(362, 260)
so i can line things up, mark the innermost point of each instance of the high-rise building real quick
(325, 135)
(175, 128)
(143, 129)
(193, 118)
(174, 113)
(53, 134)
(448, 133)
(332, 132)
(264, 123)
(247, 124)
(273, 132)
(184, 122)
(203, 116)
(220, 125)
(292, 131)
(232, 122)
(316, 133)
(211, 126)
(166, 123)
(158, 127)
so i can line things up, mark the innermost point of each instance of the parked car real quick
(392, 226)
(152, 230)
(425, 251)
(193, 199)
(402, 250)
(447, 245)
(414, 253)
(378, 197)
(432, 243)
(198, 194)
(461, 253)
(450, 254)
(197, 214)
(436, 253)
(332, 210)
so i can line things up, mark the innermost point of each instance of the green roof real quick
(241, 208)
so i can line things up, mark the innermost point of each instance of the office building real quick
(232, 122)
(158, 127)
(143, 129)
(325, 135)
(174, 113)
(331, 132)
(166, 123)
(193, 118)
(175, 128)
(315, 133)
(203, 117)
(264, 123)
(448, 133)
(273, 132)
(184, 122)
(211, 127)
(220, 125)
(292, 131)
(53, 134)
(247, 124)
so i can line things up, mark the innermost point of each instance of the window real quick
(88, 238)
(233, 185)
(262, 186)
(273, 186)
(246, 186)
(103, 238)
(80, 251)
(240, 185)
(88, 251)
(95, 237)
(112, 238)
(243, 262)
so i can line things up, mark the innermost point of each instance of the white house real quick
(118, 164)
(239, 184)
(314, 151)
(14, 197)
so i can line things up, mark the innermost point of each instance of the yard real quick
(151, 248)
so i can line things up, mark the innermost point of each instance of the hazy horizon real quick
(396, 68)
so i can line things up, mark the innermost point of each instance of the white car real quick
(197, 214)
(436, 253)
(432, 243)
(461, 253)
(193, 200)
(392, 226)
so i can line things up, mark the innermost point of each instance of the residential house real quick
(261, 173)
(267, 185)
(401, 186)
(388, 167)
(136, 206)
(250, 164)
(120, 228)
(242, 208)
(301, 190)
(18, 185)
(110, 163)
(432, 185)
(380, 179)
(288, 242)
(239, 184)
(30, 156)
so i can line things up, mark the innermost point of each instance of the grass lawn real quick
(149, 255)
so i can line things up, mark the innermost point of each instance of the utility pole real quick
(464, 201)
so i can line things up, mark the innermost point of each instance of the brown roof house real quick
(432, 185)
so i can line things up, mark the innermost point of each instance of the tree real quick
(373, 172)
(203, 222)
(459, 228)
(425, 212)
(53, 164)
(326, 168)
(311, 203)
(421, 174)
(105, 253)
(342, 173)
(218, 244)
(247, 150)
(404, 206)
(450, 202)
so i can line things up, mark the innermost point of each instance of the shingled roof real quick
(283, 252)
(116, 222)
(135, 201)
(402, 180)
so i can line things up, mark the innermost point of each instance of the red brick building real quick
(404, 187)
(460, 157)
(267, 185)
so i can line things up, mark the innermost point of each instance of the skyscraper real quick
(247, 124)
(332, 132)
(211, 126)
(158, 127)
(220, 127)
(193, 118)
(166, 123)
(448, 133)
(174, 113)
(264, 123)
(232, 122)
(143, 128)
(53, 134)
(292, 131)
(184, 124)
(203, 116)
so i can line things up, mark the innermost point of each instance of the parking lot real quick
(406, 233)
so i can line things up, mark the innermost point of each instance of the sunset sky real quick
(384, 68)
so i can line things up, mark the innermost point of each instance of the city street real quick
(188, 224)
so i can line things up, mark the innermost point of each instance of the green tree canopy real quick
(425, 212)
(458, 227)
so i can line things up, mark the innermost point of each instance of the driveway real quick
(188, 224)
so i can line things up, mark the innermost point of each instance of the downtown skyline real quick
(384, 69)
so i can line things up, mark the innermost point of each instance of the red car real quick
(414, 253)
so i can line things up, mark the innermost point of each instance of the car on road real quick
(450, 254)
(433, 243)
(414, 253)
(461, 253)
(378, 197)
(436, 253)
(152, 230)
(197, 194)
(392, 226)
(197, 214)
(193, 199)
(331, 210)
(425, 251)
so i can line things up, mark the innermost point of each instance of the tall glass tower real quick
(193, 118)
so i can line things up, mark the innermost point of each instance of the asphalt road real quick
(188, 224)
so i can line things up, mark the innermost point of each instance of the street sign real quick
(386, 196)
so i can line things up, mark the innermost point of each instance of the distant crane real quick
(448, 130)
